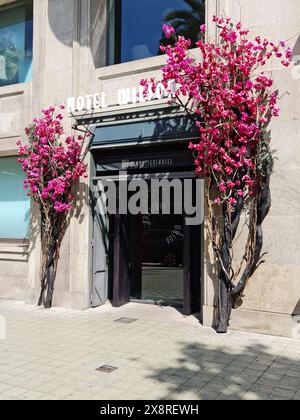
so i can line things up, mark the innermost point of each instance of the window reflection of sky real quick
(142, 26)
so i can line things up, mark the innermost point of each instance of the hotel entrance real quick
(152, 256)
(158, 259)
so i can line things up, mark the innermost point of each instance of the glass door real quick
(155, 258)
(162, 259)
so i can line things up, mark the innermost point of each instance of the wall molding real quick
(15, 90)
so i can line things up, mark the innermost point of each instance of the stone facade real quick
(273, 293)
(69, 60)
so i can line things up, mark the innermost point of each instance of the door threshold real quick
(157, 303)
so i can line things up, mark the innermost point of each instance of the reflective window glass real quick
(135, 26)
(14, 203)
(16, 36)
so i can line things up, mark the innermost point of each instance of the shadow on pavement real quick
(254, 373)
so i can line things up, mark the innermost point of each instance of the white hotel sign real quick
(124, 96)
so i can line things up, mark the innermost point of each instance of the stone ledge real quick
(14, 90)
(14, 250)
(134, 67)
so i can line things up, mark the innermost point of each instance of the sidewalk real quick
(162, 355)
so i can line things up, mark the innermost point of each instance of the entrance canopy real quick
(139, 125)
(166, 128)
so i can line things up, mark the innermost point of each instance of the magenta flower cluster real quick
(52, 164)
(168, 30)
(233, 99)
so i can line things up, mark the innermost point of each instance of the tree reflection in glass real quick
(187, 21)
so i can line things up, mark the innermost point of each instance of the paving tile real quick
(45, 387)
(284, 393)
(297, 396)
(182, 396)
(14, 392)
(77, 395)
(206, 395)
(31, 396)
(53, 355)
(4, 378)
(255, 396)
(5, 398)
(4, 387)
(48, 397)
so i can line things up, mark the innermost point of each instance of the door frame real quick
(193, 242)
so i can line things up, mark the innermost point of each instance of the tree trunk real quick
(224, 301)
(42, 292)
(225, 306)
(50, 249)
(229, 294)
(50, 285)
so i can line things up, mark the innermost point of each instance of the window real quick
(16, 34)
(135, 26)
(14, 203)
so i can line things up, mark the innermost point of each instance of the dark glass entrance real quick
(155, 258)
(158, 259)
(152, 257)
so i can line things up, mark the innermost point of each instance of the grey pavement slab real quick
(54, 354)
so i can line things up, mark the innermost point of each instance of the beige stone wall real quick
(14, 274)
(69, 60)
(15, 112)
(275, 288)
(63, 66)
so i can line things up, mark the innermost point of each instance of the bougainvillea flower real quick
(233, 99)
(52, 164)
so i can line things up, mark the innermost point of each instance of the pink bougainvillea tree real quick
(53, 164)
(230, 95)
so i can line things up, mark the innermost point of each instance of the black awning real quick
(168, 128)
